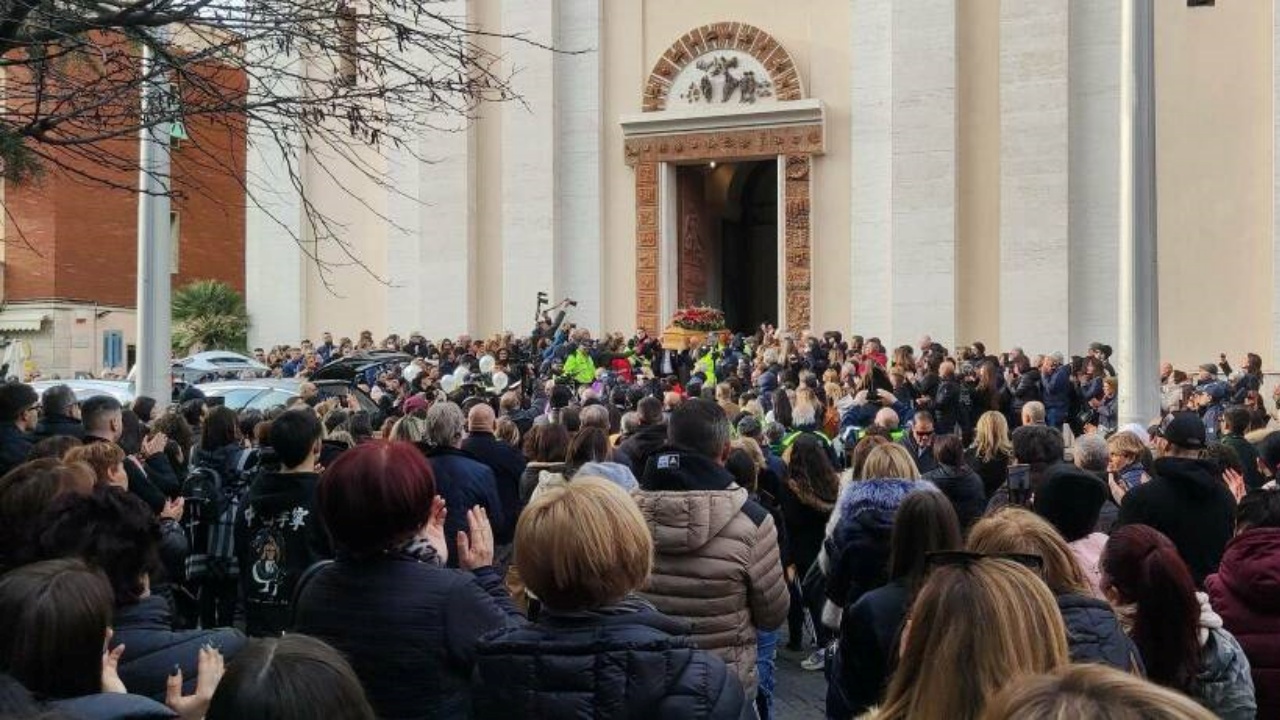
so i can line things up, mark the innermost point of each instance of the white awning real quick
(22, 320)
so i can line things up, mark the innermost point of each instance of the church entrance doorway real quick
(727, 230)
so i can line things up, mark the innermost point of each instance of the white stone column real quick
(530, 181)
(274, 263)
(578, 78)
(1094, 163)
(924, 171)
(1034, 164)
(904, 169)
(871, 150)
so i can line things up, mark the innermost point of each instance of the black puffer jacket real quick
(1094, 634)
(625, 661)
(409, 629)
(152, 648)
(963, 488)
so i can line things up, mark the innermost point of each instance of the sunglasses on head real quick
(962, 557)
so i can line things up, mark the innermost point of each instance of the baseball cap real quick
(749, 426)
(1184, 429)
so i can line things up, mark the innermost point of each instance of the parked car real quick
(121, 390)
(336, 379)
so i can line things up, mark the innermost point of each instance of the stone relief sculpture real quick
(718, 72)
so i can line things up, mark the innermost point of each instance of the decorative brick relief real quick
(722, 36)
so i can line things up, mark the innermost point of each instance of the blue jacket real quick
(624, 661)
(862, 416)
(152, 648)
(464, 482)
(111, 706)
(408, 628)
(1094, 634)
(1057, 395)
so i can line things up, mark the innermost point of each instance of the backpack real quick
(213, 503)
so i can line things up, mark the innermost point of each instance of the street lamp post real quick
(153, 297)
(1139, 341)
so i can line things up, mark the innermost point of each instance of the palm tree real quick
(209, 315)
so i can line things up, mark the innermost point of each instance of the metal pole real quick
(1139, 341)
(153, 299)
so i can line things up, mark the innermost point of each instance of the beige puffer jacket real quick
(716, 565)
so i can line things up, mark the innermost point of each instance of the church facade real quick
(886, 167)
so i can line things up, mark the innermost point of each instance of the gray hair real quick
(409, 429)
(1034, 411)
(1090, 453)
(594, 416)
(630, 422)
(57, 400)
(444, 425)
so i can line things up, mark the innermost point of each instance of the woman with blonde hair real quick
(1091, 691)
(409, 429)
(598, 650)
(991, 451)
(107, 461)
(855, 555)
(1094, 631)
(977, 623)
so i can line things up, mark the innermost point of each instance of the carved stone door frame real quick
(790, 132)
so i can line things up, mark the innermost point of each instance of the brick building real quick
(69, 256)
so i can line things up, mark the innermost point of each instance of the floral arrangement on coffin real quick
(700, 318)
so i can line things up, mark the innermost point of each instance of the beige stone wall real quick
(1214, 152)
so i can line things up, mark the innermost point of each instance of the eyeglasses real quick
(922, 433)
(962, 557)
(35, 408)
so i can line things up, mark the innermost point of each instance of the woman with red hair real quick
(1180, 637)
(408, 624)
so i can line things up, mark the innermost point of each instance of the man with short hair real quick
(946, 402)
(507, 465)
(462, 480)
(279, 534)
(918, 440)
(1055, 381)
(1186, 498)
(1033, 413)
(19, 413)
(60, 414)
(716, 561)
(150, 475)
(634, 452)
(1235, 423)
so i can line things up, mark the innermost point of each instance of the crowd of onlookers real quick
(625, 528)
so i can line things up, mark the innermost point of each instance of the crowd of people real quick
(552, 526)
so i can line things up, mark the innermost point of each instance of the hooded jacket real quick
(278, 536)
(645, 441)
(855, 554)
(1246, 593)
(1224, 684)
(1188, 502)
(623, 661)
(716, 561)
(152, 648)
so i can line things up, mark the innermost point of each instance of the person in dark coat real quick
(1186, 499)
(19, 411)
(507, 465)
(953, 477)
(647, 440)
(870, 627)
(60, 414)
(918, 440)
(1026, 388)
(1246, 593)
(115, 531)
(279, 534)
(1236, 424)
(464, 482)
(150, 475)
(598, 650)
(408, 625)
(1094, 633)
(1055, 384)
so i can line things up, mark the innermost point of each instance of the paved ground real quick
(801, 694)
